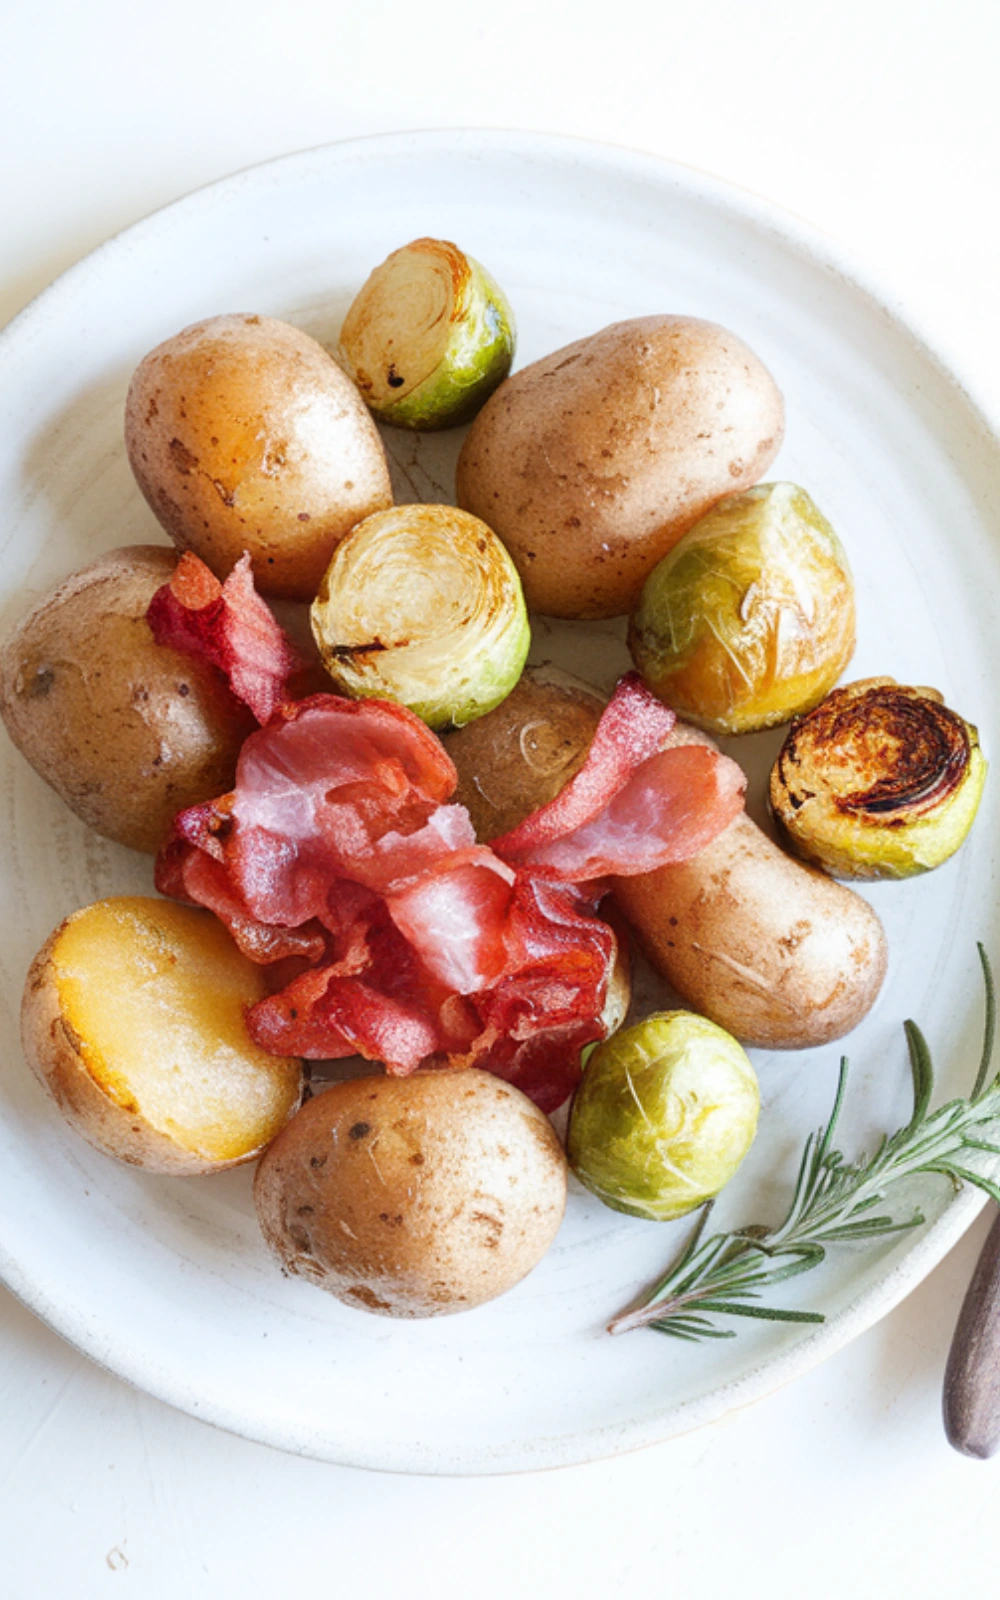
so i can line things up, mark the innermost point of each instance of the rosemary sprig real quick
(834, 1202)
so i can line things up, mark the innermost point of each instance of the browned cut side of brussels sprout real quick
(423, 605)
(880, 781)
(429, 337)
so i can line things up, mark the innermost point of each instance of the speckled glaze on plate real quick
(167, 1282)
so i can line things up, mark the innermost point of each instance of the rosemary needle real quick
(834, 1202)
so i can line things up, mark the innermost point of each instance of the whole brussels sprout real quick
(429, 337)
(664, 1114)
(750, 618)
(423, 605)
(879, 781)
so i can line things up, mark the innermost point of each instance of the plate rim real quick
(909, 1271)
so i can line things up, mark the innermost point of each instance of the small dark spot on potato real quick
(317, 1161)
(303, 516)
(359, 1130)
(183, 459)
(367, 1297)
(40, 682)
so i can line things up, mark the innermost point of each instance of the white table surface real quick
(876, 120)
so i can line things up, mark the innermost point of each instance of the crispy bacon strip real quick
(633, 805)
(409, 943)
(229, 625)
(634, 726)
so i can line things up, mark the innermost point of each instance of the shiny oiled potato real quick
(244, 434)
(591, 463)
(413, 1197)
(520, 755)
(127, 731)
(133, 1018)
(772, 950)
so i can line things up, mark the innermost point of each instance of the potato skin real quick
(416, 1196)
(126, 731)
(591, 463)
(58, 1056)
(772, 950)
(520, 755)
(244, 434)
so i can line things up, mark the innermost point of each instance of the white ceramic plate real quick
(167, 1282)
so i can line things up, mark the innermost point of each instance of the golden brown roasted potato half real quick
(133, 1018)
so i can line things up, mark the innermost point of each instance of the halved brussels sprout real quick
(429, 337)
(423, 605)
(664, 1115)
(750, 618)
(880, 781)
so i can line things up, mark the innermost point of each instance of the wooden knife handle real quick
(972, 1376)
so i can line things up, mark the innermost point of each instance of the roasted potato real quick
(127, 732)
(591, 463)
(413, 1197)
(772, 950)
(133, 1018)
(244, 434)
(519, 756)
